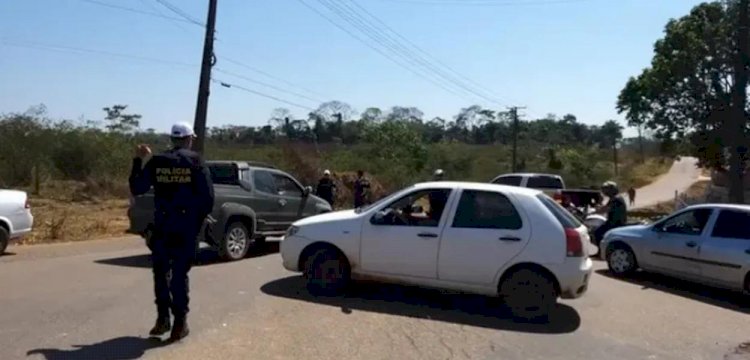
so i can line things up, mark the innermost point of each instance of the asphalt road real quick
(93, 301)
(680, 177)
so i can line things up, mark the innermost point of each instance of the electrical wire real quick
(268, 75)
(267, 85)
(180, 12)
(484, 2)
(230, 85)
(381, 52)
(129, 9)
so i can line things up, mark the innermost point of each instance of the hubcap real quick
(236, 242)
(620, 261)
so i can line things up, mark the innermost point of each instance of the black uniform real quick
(325, 189)
(617, 215)
(183, 197)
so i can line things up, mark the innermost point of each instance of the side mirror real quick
(307, 191)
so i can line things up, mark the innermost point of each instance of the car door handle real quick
(427, 235)
(691, 244)
(510, 238)
(282, 202)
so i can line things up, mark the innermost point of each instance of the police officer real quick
(438, 175)
(326, 188)
(183, 197)
(361, 190)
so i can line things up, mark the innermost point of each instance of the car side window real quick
(732, 224)
(286, 186)
(420, 208)
(687, 223)
(486, 210)
(264, 182)
(508, 180)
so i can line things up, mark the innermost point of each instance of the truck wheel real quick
(236, 242)
(529, 295)
(4, 239)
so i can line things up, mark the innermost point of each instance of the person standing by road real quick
(631, 195)
(361, 190)
(183, 198)
(326, 188)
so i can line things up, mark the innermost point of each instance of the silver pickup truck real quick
(252, 201)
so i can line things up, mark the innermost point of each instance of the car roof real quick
(467, 185)
(530, 174)
(719, 206)
(241, 163)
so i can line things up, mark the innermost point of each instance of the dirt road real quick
(93, 301)
(680, 177)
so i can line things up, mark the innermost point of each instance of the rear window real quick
(544, 182)
(566, 219)
(223, 174)
(508, 180)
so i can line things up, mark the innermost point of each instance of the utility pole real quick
(736, 129)
(614, 149)
(514, 116)
(201, 108)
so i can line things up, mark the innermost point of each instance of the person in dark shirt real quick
(361, 190)
(183, 198)
(617, 211)
(326, 188)
(631, 195)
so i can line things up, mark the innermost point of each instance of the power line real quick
(70, 49)
(485, 2)
(268, 85)
(178, 22)
(381, 52)
(129, 9)
(268, 75)
(180, 12)
(459, 79)
(230, 85)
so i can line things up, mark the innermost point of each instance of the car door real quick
(672, 245)
(291, 198)
(403, 240)
(266, 202)
(483, 234)
(725, 254)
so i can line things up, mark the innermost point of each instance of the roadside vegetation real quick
(76, 171)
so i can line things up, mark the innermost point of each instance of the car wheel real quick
(621, 260)
(236, 242)
(327, 272)
(4, 239)
(529, 295)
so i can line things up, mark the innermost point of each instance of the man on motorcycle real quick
(617, 211)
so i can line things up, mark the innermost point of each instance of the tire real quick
(4, 239)
(237, 240)
(529, 295)
(327, 272)
(621, 260)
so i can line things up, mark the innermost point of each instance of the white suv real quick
(473, 237)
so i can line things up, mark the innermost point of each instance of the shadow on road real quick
(206, 256)
(421, 303)
(122, 348)
(7, 254)
(730, 300)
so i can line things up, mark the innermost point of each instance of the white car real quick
(473, 237)
(15, 216)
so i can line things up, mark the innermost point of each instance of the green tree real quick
(118, 121)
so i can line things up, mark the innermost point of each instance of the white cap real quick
(182, 130)
(327, 172)
(439, 172)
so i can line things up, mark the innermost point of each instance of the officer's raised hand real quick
(143, 151)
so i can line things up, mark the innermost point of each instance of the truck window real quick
(508, 180)
(264, 182)
(544, 182)
(224, 174)
(286, 186)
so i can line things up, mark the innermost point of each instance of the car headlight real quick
(291, 231)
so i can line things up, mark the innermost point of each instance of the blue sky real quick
(552, 56)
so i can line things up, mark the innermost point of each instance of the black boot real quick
(161, 327)
(180, 329)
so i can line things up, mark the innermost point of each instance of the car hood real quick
(629, 231)
(330, 217)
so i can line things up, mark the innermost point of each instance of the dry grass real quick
(638, 174)
(71, 211)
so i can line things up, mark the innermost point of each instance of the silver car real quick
(708, 243)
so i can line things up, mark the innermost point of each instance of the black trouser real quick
(172, 252)
(600, 231)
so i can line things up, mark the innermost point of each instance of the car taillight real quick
(27, 205)
(557, 196)
(573, 244)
